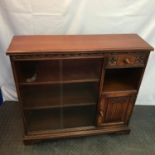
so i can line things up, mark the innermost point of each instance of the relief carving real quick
(59, 55)
(121, 100)
(101, 112)
(140, 59)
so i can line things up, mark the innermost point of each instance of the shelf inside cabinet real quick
(50, 119)
(84, 70)
(42, 120)
(59, 71)
(67, 95)
(122, 79)
(79, 116)
(37, 97)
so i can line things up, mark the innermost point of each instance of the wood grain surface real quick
(73, 43)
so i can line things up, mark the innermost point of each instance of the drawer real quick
(127, 60)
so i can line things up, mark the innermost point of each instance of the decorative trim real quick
(56, 56)
(139, 59)
(113, 56)
(120, 100)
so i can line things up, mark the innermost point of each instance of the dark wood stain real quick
(77, 85)
(69, 43)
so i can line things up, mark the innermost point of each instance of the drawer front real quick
(115, 109)
(127, 60)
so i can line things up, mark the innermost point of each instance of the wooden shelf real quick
(79, 116)
(51, 119)
(68, 95)
(60, 71)
(41, 120)
(122, 79)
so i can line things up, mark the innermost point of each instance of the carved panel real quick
(57, 55)
(140, 59)
(126, 59)
(112, 60)
(120, 100)
(115, 109)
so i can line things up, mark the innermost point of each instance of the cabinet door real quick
(115, 108)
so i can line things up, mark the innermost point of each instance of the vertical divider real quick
(101, 83)
(61, 92)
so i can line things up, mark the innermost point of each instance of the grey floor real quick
(141, 140)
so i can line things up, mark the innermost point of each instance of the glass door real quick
(80, 88)
(40, 85)
(59, 94)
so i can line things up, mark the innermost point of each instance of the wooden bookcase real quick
(77, 85)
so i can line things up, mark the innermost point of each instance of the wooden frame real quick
(71, 86)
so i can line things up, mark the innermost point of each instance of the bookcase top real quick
(25, 44)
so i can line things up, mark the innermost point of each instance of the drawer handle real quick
(127, 61)
(101, 113)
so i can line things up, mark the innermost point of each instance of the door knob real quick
(127, 61)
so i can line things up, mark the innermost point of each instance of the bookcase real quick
(77, 85)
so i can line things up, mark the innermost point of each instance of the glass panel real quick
(43, 120)
(59, 94)
(41, 96)
(38, 72)
(40, 84)
(81, 70)
(81, 94)
(80, 90)
(79, 116)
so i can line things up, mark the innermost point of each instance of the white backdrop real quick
(18, 17)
